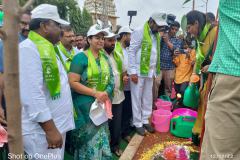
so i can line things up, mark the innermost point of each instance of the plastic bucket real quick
(161, 120)
(184, 112)
(161, 104)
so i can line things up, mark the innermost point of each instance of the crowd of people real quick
(64, 75)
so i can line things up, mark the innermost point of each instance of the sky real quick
(145, 8)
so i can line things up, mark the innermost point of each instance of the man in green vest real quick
(143, 65)
(65, 46)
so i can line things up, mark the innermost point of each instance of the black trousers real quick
(115, 126)
(180, 88)
(127, 114)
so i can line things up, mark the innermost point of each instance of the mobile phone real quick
(182, 51)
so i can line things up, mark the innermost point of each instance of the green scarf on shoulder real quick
(118, 54)
(98, 77)
(146, 51)
(199, 55)
(66, 54)
(49, 63)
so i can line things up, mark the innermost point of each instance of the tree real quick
(186, 1)
(193, 5)
(75, 18)
(61, 4)
(193, 1)
(9, 35)
(86, 21)
(69, 9)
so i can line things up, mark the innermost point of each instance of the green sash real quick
(146, 51)
(98, 77)
(199, 55)
(118, 53)
(49, 63)
(66, 54)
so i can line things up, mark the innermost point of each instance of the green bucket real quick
(191, 96)
(1, 18)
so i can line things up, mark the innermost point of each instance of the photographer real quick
(168, 44)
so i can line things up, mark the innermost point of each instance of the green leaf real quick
(186, 1)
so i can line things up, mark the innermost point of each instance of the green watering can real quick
(192, 95)
(1, 18)
(181, 126)
(165, 98)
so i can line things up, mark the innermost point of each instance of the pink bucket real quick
(161, 120)
(184, 112)
(161, 104)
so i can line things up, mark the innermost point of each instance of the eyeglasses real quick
(70, 36)
(24, 23)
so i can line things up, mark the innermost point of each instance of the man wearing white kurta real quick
(141, 84)
(124, 41)
(65, 46)
(45, 119)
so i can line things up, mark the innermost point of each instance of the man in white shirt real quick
(143, 65)
(124, 41)
(47, 109)
(80, 42)
(65, 46)
(116, 62)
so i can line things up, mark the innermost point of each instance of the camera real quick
(181, 50)
(190, 41)
(170, 20)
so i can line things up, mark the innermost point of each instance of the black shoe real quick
(196, 139)
(149, 128)
(140, 131)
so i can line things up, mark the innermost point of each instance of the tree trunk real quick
(12, 15)
(206, 6)
(11, 76)
(193, 7)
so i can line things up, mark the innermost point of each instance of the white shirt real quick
(125, 61)
(76, 51)
(134, 53)
(37, 104)
(118, 94)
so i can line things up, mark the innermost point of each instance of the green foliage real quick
(62, 5)
(186, 1)
(86, 21)
(69, 10)
(75, 18)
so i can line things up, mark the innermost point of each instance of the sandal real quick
(118, 152)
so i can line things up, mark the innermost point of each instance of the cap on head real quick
(110, 34)
(96, 29)
(124, 29)
(159, 18)
(47, 11)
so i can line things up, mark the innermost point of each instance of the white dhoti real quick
(36, 146)
(141, 94)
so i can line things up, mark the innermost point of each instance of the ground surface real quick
(153, 143)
